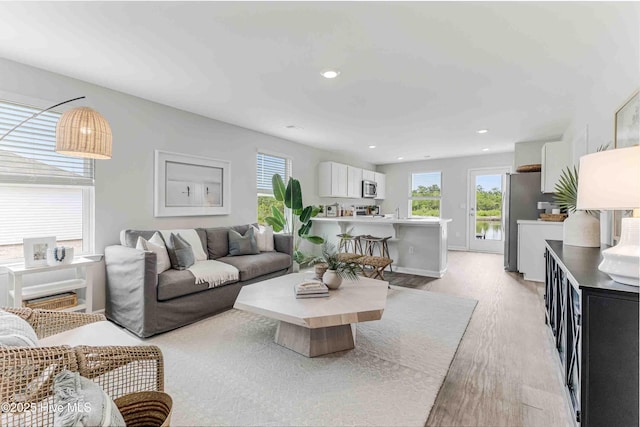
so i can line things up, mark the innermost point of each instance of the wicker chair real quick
(26, 373)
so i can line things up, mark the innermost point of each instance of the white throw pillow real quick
(191, 236)
(15, 331)
(156, 245)
(264, 237)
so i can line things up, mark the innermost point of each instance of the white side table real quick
(82, 281)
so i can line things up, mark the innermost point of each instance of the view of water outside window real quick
(489, 207)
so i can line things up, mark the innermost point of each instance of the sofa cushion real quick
(251, 266)
(129, 238)
(180, 252)
(157, 246)
(217, 239)
(264, 237)
(195, 238)
(240, 244)
(177, 283)
(217, 242)
(92, 334)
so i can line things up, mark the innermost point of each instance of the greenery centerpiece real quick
(295, 218)
(581, 228)
(566, 189)
(337, 268)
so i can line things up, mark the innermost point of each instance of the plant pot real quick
(320, 269)
(332, 279)
(581, 229)
(295, 267)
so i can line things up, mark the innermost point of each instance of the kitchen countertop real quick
(538, 222)
(382, 220)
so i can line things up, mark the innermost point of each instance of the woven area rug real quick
(227, 370)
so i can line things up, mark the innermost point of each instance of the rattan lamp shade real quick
(83, 132)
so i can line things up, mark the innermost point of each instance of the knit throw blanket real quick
(215, 273)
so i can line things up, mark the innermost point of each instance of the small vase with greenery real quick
(566, 189)
(296, 219)
(337, 268)
(581, 228)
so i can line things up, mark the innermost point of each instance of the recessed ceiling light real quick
(426, 157)
(372, 146)
(330, 74)
(400, 158)
(485, 149)
(291, 127)
(482, 131)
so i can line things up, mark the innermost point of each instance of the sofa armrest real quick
(131, 289)
(283, 243)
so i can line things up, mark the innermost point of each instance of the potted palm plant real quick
(337, 269)
(296, 219)
(581, 228)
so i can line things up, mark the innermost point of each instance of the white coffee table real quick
(315, 326)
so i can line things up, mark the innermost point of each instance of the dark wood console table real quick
(594, 322)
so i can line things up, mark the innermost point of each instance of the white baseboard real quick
(457, 248)
(101, 311)
(420, 271)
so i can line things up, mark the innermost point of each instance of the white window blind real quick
(27, 155)
(269, 165)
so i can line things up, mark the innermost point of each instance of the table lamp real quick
(610, 180)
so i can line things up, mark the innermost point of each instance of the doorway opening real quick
(486, 209)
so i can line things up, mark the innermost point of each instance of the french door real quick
(486, 209)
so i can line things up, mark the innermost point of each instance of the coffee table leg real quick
(315, 342)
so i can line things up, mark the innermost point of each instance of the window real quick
(426, 194)
(42, 193)
(267, 166)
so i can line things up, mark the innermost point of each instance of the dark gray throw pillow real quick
(242, 244)
(180, 252)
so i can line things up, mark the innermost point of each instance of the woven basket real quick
(529, 168)
(553, 217)
(145, 408)
(53, 302)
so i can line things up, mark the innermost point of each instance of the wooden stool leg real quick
(385, 247)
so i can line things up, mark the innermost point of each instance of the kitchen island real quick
(417, 245)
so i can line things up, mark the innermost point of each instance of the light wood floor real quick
(505, 372)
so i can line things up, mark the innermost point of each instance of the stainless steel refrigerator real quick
(521, 202)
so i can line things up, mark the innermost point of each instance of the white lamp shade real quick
(83, 132)
(610, 180)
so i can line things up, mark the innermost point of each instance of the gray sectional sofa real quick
(147, 303)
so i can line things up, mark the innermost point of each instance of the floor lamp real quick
(80, 132)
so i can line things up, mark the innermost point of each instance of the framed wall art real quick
(35, 250)
(626, 134)
(188, 185)
(627, 123)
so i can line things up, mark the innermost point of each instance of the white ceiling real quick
(417, 79)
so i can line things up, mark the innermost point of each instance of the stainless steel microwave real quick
(369, 189)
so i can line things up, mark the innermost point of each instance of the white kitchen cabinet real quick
(368, 175)
(555, 157)
(354, 182)
(332, 180)
(381, 181)
(531, 237)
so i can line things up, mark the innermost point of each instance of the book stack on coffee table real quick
(311, 289)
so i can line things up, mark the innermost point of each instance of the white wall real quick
(124, 184)
(454, 188)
